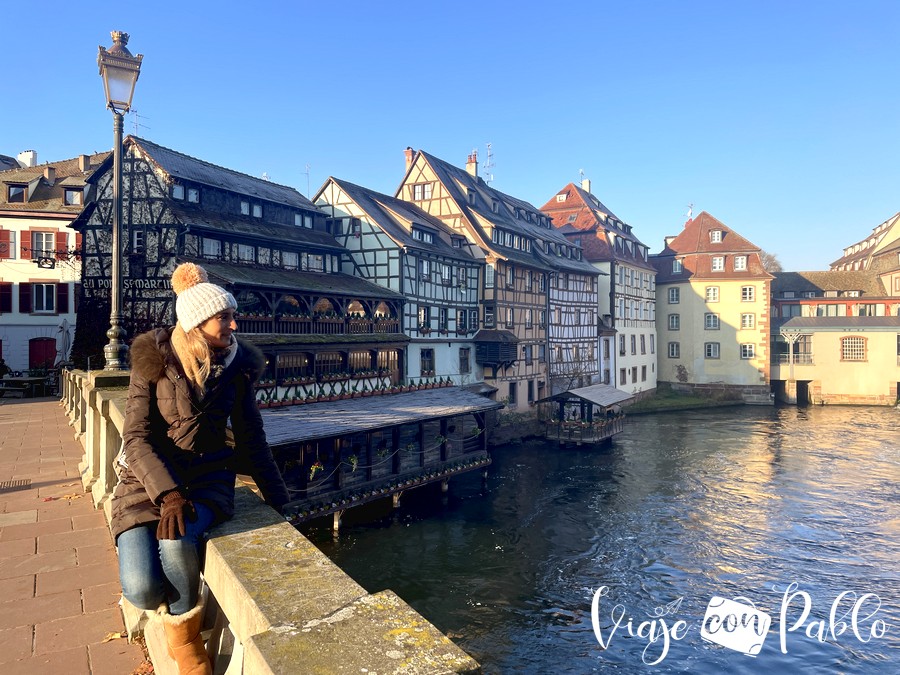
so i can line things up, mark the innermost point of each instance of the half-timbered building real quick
(398, 246)
(323, 331)
(522, 254)
(627, 283)
(39, 268)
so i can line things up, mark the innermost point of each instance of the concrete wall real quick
(276, 604)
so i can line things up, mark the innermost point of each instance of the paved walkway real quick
(58, 578)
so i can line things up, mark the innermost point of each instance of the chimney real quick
(472, 164)
(84, 163)
(50, 174)
(410, 153)
(586, 185)
(27, 158)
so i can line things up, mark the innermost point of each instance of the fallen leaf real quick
(114, 636)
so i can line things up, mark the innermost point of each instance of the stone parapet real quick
(276, 604)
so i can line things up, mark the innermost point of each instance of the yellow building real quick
(712, 312)
(839, 360)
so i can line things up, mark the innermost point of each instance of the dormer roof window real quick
(715, 236)
(422, 235)
(16, 193)
(245, 207)
(178, 191)
(74, 196)
(471, 196)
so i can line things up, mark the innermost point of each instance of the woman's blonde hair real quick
(194, 352)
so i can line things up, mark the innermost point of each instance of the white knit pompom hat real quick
(198, 300)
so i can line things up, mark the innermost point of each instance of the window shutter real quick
(5, 245)
(76, 298)
(25, 245)
(78, 245)
(6, 291)
(62, 239)
(24, 298)
(62, 298)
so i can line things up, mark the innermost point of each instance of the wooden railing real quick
(318, 325)
(276, 604)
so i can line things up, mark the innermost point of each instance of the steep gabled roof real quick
(580, 214)
(49, 197)
(695, 248)
(389, 212)
(185, 167)
(458, 182)
(859, 254)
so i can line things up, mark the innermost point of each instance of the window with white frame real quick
(298, 220)
(674, 295)
(710, 321)
(510, 316)
(677, 266)
(712, 294)
(853, 348)
(43, 298)
(748, 350)
(462, 321)
(621, 345)
(529, 318)
(245, 207)
(715, 236)
(674, 322)
(246, 253)
(489, 273)
(740, 263)
(212, 248)
(74, 196)
(289, 260)
(711, 350)
(257, 210)
(748, 293)
(442, 318)
(674, 350)
(193, 195)
(748, 321)
(178, 191)
(43, 245)
(424, 316)
(489, 315)
(424, 268)
(718, 263)
(473, 319)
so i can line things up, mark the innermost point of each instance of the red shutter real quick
(5, 242)
(25, 245)
(6, 296)
(78, 245)
(24, 298)
(61, 248)
(62, 298)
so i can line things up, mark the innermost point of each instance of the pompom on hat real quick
(198, 300)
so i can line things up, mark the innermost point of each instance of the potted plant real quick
(315, 468)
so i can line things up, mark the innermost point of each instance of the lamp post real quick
(120, 71)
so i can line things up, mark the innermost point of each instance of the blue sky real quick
(779, 118)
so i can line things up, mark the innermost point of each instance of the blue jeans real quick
(153, 572)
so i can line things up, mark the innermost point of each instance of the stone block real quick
(263, 572)
(377, 634)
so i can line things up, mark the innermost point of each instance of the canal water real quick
(791, 514)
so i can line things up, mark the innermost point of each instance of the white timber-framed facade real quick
(399, 246)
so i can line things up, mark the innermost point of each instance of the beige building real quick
(839, 360)
(712, 311)
(39, 265)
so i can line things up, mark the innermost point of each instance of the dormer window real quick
(495, 206)
(457, 242)
(421, 235)
(177, 191)
(562, 197)
(471, 197)
(74, 197)
(245, 208)
(677, 266)
(193, 195)
(257, 210)
(298, 220)
(715, 236)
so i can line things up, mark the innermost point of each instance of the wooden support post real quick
(395, 448)
(395, 498)
(336, 522)
(336, 453)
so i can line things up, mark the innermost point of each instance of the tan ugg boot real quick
(185, 644)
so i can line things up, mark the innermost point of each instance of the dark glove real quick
(172, 513)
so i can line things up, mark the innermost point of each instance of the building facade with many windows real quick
(39, 266)
(626, 309)
(713, 309)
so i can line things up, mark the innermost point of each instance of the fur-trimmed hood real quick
(152, 352)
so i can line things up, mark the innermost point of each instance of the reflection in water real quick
(734, 503)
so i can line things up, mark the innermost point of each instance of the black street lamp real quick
(120, 71)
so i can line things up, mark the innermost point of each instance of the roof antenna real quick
(307, 180)
(488, 165)
(690, 211)
(137, 121)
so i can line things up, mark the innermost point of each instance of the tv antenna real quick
(489, 164)
(137, 121)
(307, 180)
(690, 211)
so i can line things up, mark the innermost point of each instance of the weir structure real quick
(276, 604)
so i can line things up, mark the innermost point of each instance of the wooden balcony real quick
(317, 325)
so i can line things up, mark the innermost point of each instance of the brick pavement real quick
(58, 578)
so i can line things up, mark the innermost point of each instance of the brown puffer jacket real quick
(175, 438)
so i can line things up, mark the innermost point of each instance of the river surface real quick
(735, 503)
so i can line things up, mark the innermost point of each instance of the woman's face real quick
(218, 329)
